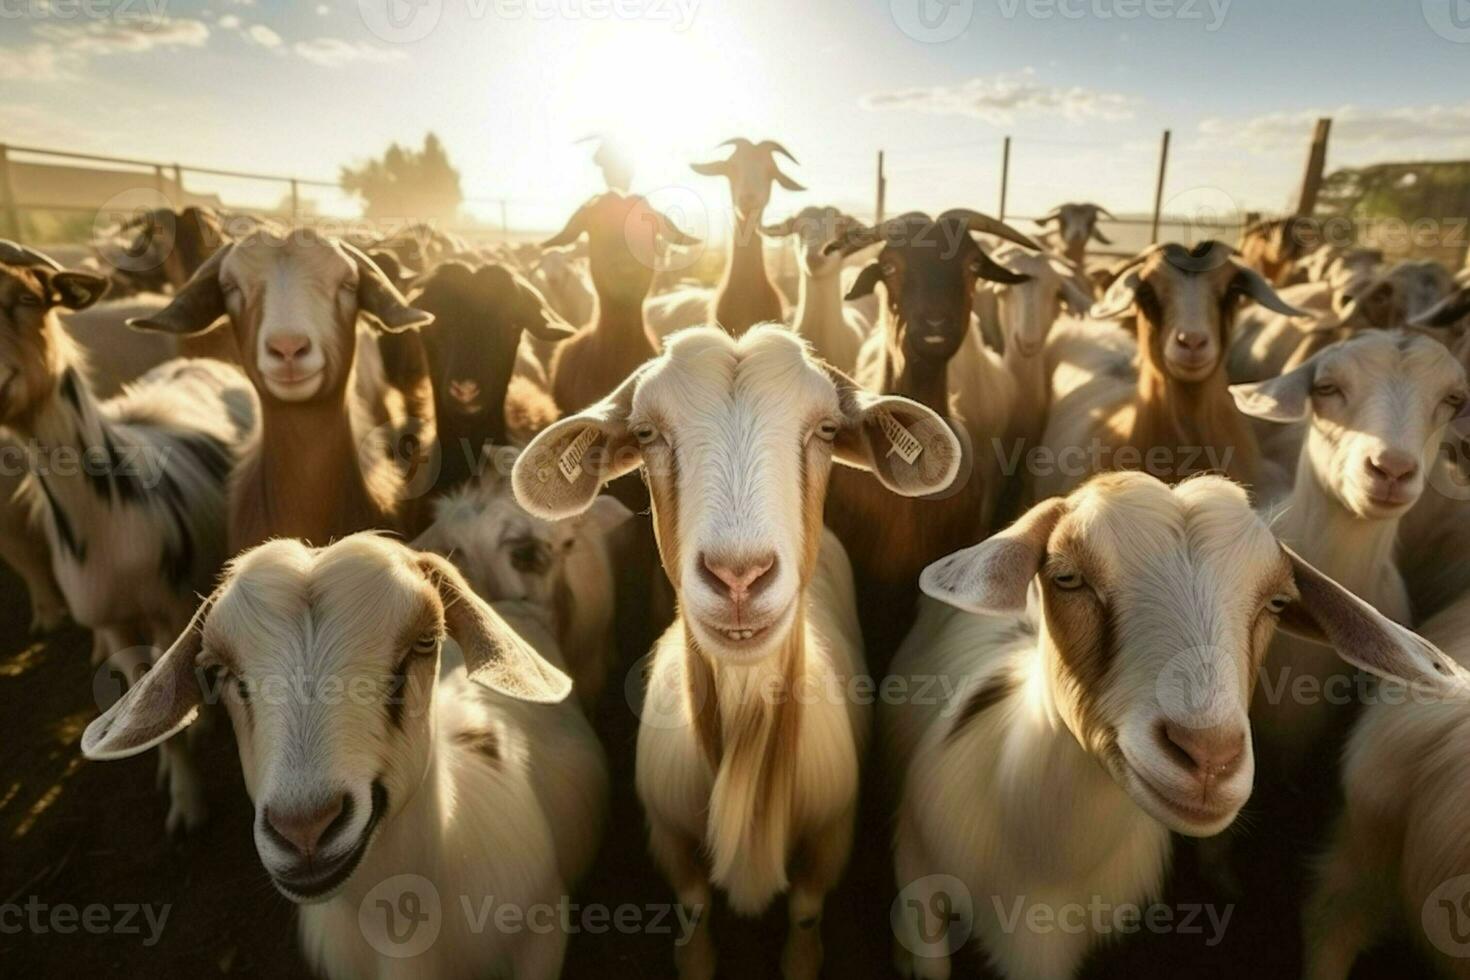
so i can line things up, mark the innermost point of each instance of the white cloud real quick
(263, 36)
(323, 10)
(101, 37)
(1351, 126)
(333, 52)
(1002, 97)
(229, 22)
(34, 62)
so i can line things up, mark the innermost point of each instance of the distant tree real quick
(418, 184)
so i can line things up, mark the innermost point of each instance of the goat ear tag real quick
(900, 440)
(570, 460)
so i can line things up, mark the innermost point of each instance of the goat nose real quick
(304, 830)
(464, 391)
(288, 346)
(1392, 465)
(742, 577)
(1205, 752)
(1191, 341)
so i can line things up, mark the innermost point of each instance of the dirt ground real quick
(79, 833)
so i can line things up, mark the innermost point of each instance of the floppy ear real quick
(196, 308)
(714, 168)
(1447, 312)
(536, 316)
(781, 229)
(494, 654)
(871, 275)
(560, 473)
(1329, 614)
(785, 181)
(1118, 301)
(162, 703)
(1253, 284)
(995, 272)
(992, 577)
(1099, 236)
(572, 231)
(77, 290)
(384, 305)
(1283, 399)
(909, 448)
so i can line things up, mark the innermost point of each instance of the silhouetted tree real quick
(407, 183)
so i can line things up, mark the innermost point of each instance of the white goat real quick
(740, 772)
(367, 768)
(836, 331)
(1398, 855)
(1092, 698)
(506, 552)
(130, 491)
(1373, 405)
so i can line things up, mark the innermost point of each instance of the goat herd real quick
(1100, 545)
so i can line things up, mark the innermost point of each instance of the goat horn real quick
(1054, 214)
(738, 142)
(986, 225)
(14, 253)
(771, 146)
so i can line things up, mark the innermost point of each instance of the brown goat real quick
(623, 234)
(293, 302)
(745, 296)
(1274, 247)
(928, 269)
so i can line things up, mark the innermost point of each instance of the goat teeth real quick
(739, 634)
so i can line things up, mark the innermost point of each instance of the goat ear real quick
(1329, 614)
(995, 272)
(77, 290)
(1283, 399)
(494, 654)
(1251, 283)
(1118, 301)
(1099, 236)
(539, 319)
(160, 704)
(909, 448)
(992, 577)
(560, 473)
(866, 280)
(714, 168)
(780, 229)
(572, 231)
(1447, 312)
(196, 308)
(377, 297)
(785, 181)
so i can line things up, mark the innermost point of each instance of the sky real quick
(1084, 87)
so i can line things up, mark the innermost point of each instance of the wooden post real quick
(1005, 174)
(1159, 191)
(504, 222)
(179, 183)
(882, 192)
(7, 196)
(295, 200)
(1316, 164)
(159, 183)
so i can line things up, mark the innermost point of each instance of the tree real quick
(420, 185)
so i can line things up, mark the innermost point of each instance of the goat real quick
(293, 302)
(484, 395)
(836, 331)
(505, 552)
(745, 295)
(475, 791)
(183, 241)
(929, 351)
(1161, 403)
(562, 281)
(23, 547)
(623, 235)
(1076, 226)
(1273, 247)
(1396, 859)
(1095, 674)
(130, 491)
(1373, 405)
(732, 762)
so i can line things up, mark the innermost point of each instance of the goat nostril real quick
(303, 831)
(1203, 752)
(1393, 467)
(288, 346)
(741, 578)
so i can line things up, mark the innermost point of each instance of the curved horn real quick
(1055, 214)
(995, 272)
(14, 253)
(771, 146)
(986, 225)
(853, 240)
(1098, 208)
(739, 142)
(673, 232)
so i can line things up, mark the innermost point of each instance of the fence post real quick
(179, 182)
(504, 222)
(295, 200)
(159, 184)
(7, 195)
(1005, 175)
(882, 193)
(1159, 191)
(1316, 163)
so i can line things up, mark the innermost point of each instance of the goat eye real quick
(426, 643)
(1326, 390)
(29, 299)
(1069, 581)
(1456, 400)
(1277, 604)
(888, 269)
(826, 430)
(645, 433)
